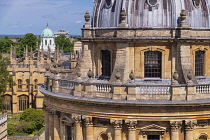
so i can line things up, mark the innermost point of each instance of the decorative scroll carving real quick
(88, 121)
(175, 125)
(190, 124)
(131, 124)
(77, 119)
(116, 123)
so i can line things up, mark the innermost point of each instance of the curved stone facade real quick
(133, 83)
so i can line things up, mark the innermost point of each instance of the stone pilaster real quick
(117, 129)
(89, 128)
(46, 124)
(189, 126)
(56, 126)
(175, 128)
(78, 127)
(51, 126)
(131, 129)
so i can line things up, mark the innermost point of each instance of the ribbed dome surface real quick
(151, 13)
(47, 32)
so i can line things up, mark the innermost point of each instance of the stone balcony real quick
(139, 89)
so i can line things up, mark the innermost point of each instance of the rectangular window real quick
(199, 63)
(152, 64)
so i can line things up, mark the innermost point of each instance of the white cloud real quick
(78, 21)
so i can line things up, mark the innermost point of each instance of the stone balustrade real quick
(202, 88)
(129, 91)
(3, 118)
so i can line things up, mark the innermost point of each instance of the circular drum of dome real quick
(152, 2)
(196, 3)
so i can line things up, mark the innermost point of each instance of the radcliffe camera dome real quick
(151, 13)
(47, 32)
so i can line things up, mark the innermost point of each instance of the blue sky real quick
(18, 17)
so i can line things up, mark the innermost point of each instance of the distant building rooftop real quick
(61, 32)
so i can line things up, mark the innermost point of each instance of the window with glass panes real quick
(199, 63)
(152, 64)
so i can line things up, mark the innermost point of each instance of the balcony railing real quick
(202, 88)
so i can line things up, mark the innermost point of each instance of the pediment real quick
(153, 127)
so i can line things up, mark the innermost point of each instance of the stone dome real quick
(47, 32)
(151, 13)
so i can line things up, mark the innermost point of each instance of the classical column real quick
(56, 125)
(89, 128)
(131, 129)
(51, 126)
(189, 126)
(117, 129)
(46, 123)
(175, 127)
(78, 127)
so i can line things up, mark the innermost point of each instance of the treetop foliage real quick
(64, 43)
(5, 44)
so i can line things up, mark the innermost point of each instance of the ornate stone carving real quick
(175, 77)
(175, 125)
(87, 16)
(116, 123)
(90, 74)
(131, 124)
(77, 119)
(189, 76)
(183, 16)
(132, 75)
(190, 124)
(117, 76)
(88, 121)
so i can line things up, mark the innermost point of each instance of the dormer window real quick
(196, 3)
(152, 2)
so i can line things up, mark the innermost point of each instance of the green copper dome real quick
(47, 32)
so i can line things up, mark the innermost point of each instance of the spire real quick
(31, 54)
(24, 53)
(26, 50)
(47, 25)
(11, 52)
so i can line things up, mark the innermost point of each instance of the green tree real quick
(28, 40)
(5, 78)
(5, 44)
(35, 119)
(64, 43)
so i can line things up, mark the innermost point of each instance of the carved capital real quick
(88, 121)
(77, 118)
(116, 123)
(190, 124)
(175, 125)
(131, 124)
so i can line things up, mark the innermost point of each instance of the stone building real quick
(144, 75)
(28, 74)
(3, 127)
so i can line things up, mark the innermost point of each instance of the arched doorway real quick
(106, 62)
(103, 136)
(8, 103)
(202, 137)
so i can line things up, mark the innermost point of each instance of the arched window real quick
(199, 63)
(27, 84)
(8, 103)
(152, 64)
(106, 62)
(103, 136)
(23, 102)
(45, 42)
(50, 42)
(19, 84)
(202, 137)
(35, 84)
(196, 2)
